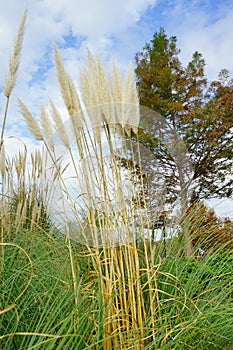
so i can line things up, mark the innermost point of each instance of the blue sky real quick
(116, 28)
(112, 28)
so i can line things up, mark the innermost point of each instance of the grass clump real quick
(175, 303)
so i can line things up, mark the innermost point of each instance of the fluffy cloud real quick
(87, 22)
(205, 27)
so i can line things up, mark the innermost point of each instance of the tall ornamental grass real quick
(21, 204)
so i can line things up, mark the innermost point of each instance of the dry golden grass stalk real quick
(59, 125)
(21, 201)
(100, 81)
(116, 100)
(67, 87)
(76, 106)
(131, 101)
(94, 90)
(2, 164)
(32, 124)
(46, 127)
(62, 79)
(15, 58)
(13, 68)
(116, 83)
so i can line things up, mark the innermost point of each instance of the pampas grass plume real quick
(68, 91)
(32, 124)
(59, 125)
(15, 58)
(47, 127)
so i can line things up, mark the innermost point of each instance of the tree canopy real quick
(198, 162)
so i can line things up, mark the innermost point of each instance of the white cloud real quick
(222, 207)
(97, 22)
(208, 31)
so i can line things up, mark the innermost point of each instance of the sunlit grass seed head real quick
(67, 87)
(15, 58)
(47, 127)
(110, 93)
(31, 122)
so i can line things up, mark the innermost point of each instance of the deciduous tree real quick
(195, 160)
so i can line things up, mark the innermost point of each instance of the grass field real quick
(174, 303)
